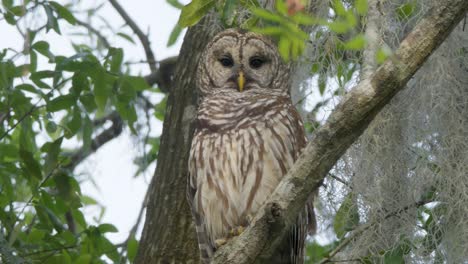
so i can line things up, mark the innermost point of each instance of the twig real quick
(340, 180)
(98, 34)
(49, 250)
(143, 38)
(114, 131)
(33, 108)
(138, 221)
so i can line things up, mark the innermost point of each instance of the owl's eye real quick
(256, 62)
(226, 61)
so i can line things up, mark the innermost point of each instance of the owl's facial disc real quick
(241, 62)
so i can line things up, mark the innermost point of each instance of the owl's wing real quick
(204, 243)
(306, 222)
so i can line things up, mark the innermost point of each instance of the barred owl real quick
(248, 134)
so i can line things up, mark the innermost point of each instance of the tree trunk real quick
(169, 234)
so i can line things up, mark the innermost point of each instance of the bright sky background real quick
(111, 167)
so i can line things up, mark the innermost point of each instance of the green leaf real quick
(339, 8)
(356, 43)
(322, 83)
(116, 55)
(160, 109)
(138, 83)
(83, 259)
(281, 7)
(394, 256)
(32, 167)
(102, 89)
(339, 26)
(175, 4)
(315, 68)
(228, 14)
(7, 4)
(87, 132)
(175, 33)
(270, 31)
(51, 20)
(382, 54)
(88, 102)
(132, 248)
(107, 228)
(18, 10)
(10, 18)
(62, 102)
(316, 252)
(63, 12)
(43, 48)
(35, 236)
(267, 15)
(88, 200)
(32, 61)
(193, 12)
(283, 47)
(126, 37)
(9, 150)
(347, 216)
(405, 11)
(62, 182)
(361, 7)
(27, 136)
(53, 151)
(27, 87)
(79, 218)
(75, 123)
(51, 127)
(79, 83)
(304, 19)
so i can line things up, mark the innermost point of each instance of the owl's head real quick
(240, 61)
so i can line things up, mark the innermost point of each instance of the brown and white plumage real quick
(245, 141)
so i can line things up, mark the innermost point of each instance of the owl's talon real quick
(221, 241)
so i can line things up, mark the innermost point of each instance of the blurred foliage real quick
(47, 99)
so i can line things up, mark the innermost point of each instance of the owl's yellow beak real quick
(241, 81)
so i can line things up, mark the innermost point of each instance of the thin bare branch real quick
(142, 36)
(96, 32)
(114, 131)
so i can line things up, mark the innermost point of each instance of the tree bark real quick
(344, 126)
(169, 234)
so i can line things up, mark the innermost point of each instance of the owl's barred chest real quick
(239, 160)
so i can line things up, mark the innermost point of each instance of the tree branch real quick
(347, 122)
(98, 34)
(163, 75)
(114, 131)
(142, 36)
(372, 37)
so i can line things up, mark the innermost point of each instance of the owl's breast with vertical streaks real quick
(242, 148)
